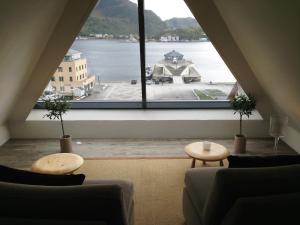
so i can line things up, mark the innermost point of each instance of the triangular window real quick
(104, 62)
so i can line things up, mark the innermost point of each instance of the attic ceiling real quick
(35, 35)
(210, 19)
(257, 40)
(268, 35)
(23, 35)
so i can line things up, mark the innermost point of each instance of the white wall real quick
(34, 34)
(259, 41)
(292, 138)
(4, 134)
(25, 29)
(140, 124)
(268, 36)
(66, 22)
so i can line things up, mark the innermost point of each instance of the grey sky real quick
(167, 9)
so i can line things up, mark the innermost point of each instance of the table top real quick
(58, 164)
(215, 153)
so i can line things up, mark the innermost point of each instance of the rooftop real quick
(72, 55)
(72, 52)
(173, 55)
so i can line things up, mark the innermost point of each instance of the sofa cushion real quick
(198, 183)
(11, 175)
(126, 187)
(190, 213)
(271, 209)
(78, 202)
(262, 161)
(232, 184)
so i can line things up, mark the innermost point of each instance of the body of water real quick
(114, 60)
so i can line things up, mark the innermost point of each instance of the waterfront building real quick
(72, 74)
(169, 38)
(175, 69)
(164, 39)
(132, 38)
(100, 36)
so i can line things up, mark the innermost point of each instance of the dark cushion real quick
(271, 209)
(198, 184)
(233, 183)
(262, 161)
(26, 177)
(127, 190)
(86, 203)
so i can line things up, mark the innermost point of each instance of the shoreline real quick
(129, 41)
(115, 60)
(124, 90)
(139, 81)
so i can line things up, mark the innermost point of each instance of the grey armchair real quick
(248, 196)
(105, 202)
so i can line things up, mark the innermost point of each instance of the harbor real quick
(113, 91)
(110, 71)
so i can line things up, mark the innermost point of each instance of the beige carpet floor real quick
(158, 185)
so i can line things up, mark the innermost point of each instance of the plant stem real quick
(62, 125)
(241, 124)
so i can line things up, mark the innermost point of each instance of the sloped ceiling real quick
(260, 42)
(25, 30)
(268, 34)
(35, 35)
(258, 39)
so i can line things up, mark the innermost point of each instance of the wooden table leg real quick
(221, 163)
(193, 163)
(204, 163)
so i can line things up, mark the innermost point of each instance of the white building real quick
(174, 68)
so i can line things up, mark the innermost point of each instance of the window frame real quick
(190, 104)
(144, 103)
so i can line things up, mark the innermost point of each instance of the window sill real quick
(144, 115)
(138, 123)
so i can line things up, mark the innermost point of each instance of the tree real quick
(243, 105)
(56, 108)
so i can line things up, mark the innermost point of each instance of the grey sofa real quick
(105, 202)
(248, 196)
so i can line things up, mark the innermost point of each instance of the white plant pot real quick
(66, 144)
(240, 144)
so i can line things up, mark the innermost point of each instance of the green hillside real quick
(184, 34)
(182, 23)
(120, 17)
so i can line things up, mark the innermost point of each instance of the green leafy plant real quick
(243, 105)
(56, 108)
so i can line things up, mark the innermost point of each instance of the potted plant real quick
(243, 105)
(56, 108)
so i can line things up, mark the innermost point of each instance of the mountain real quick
(182, 23)
(120, 17)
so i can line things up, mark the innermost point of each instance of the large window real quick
(142, 54)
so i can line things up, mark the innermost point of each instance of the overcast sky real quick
(167, 9)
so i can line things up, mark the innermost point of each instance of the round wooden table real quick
(216, 152)
(58, 164)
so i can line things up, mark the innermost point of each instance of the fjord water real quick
(118, 60)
